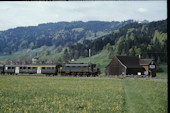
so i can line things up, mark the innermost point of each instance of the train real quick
(77, 69)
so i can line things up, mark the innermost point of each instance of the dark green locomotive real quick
(80, 69)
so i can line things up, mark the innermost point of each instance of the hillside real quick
(149, 40)
(54, 34)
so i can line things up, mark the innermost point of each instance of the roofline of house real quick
(109, 63)
(121, 63)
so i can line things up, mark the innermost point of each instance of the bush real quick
(159, 69)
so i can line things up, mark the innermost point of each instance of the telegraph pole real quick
(89, 56)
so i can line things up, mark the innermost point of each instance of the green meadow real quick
(81, 95)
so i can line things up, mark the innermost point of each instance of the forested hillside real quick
(61, 42)
(148, 40)
(54, 34)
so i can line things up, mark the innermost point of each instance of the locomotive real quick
(80, 69)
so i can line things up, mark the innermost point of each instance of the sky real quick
(31, 13)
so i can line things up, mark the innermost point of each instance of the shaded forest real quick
(148, 40)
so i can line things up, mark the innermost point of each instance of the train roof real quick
(31, 65)
(80, 64)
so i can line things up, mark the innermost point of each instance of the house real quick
(149, 65)
(34, 60)
(124, 65)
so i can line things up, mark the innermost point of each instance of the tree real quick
(66, 56)
(137, 51)
(158, 60)
(86, 53)
(65, 51)
(59, 61)
(95, 35)
(13, 61)
(111, 53)
(7, 61)
(59, 49)
(76, 54)
(131, 52)
(31, 45)
(47, 53)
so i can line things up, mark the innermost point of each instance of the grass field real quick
(162, 75)
(81, 95)
(146, 96)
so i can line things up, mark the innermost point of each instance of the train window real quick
(34, 68)
(29, 67)
(9, 67)
(52, 68)
(6, 68)
(48, 67)
(12, 67)
(43, 67)
(24, 68)
(20, 67)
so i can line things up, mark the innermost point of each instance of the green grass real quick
(79, 95)
(164, 73)
(145, 96)
(36, 94)
(161, 75)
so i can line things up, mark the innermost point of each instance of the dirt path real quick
(155, 79)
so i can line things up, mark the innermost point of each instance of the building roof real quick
(145, 61)
(130, 61)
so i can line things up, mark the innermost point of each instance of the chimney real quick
(139, 56)
(139, 59)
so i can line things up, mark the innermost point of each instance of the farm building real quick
(130, 65)
(149, 66)
(34, 60)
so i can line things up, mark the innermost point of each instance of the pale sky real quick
(31, 13)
